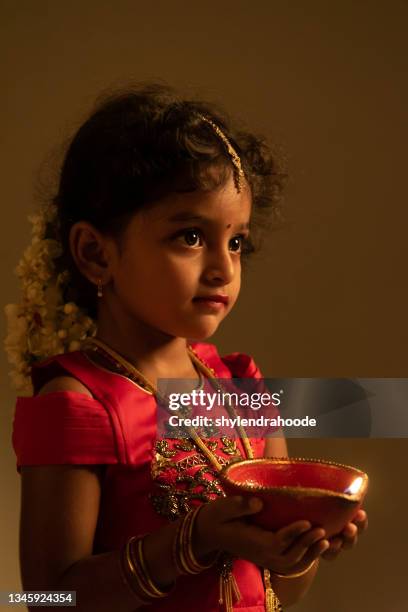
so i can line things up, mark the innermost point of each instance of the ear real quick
(92, 252)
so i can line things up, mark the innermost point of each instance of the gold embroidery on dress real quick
(174, 502)
(185, 445)
(229, 446)
(162, 447)
(176, 488)
(160, 465)
(210, 486)
(211, 444)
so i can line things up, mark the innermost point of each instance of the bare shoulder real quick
(64, 383)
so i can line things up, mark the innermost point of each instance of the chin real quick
(200, 332)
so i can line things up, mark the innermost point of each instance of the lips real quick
(223, 299)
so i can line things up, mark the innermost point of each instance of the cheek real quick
(237, 277)
(235, 290)
(136, 270)
(181, 270)
(159, 274)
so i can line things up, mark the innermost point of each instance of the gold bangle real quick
(140, 555)
(296, 574)
(192, 557)
(132, 573)
(183, 555)
(136, 566)
(136, 570)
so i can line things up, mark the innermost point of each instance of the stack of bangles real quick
(135, 568)
(137, 575)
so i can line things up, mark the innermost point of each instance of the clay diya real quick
(326, 493)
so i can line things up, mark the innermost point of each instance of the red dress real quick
(148, 480)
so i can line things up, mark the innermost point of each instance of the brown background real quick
(328, 297)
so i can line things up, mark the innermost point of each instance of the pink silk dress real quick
(149, 480)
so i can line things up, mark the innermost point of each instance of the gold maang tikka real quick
(235, 158)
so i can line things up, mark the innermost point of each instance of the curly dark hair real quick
(143, 143)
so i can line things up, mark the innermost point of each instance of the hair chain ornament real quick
(228, 588)
(235, 158)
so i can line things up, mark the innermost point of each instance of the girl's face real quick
(185, 247)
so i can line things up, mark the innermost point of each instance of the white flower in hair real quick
(42, 325)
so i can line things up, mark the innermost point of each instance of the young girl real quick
(140, 251)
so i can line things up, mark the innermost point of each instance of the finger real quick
(359, 528)
(362, 523)
(334, 549)
(360, 517)
(349, 536)
(300, 547)
(312, 553)
(315, 551)
(229, 508)
(349, 543)
(287, 535)
(349, 531)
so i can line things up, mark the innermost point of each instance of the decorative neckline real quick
(122, 363)
(91, 341)
(100, 367)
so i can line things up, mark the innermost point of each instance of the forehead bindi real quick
(186, 216)
(223, 207)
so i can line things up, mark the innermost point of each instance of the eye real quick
(236, 243)
(190, 236)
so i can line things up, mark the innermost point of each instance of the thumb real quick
(236, 506)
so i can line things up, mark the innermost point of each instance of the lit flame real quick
(354, 486)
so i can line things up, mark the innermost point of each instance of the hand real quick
(221, 525)
(347, 539)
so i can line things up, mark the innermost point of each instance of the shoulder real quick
(64, 383)
(63, 423)
(236, 365)
(59, 373)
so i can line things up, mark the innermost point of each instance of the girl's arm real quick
(59, 514)
(289, 590)
(58, 520)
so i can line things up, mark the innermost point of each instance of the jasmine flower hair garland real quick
(42, 325)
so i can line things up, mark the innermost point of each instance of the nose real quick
(219, 266)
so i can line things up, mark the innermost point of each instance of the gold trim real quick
(212, 377)
(290, 490)
(90, 343)
(115, 373)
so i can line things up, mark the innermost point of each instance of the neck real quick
(153, 353)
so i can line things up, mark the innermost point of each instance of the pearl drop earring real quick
(100, 292)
